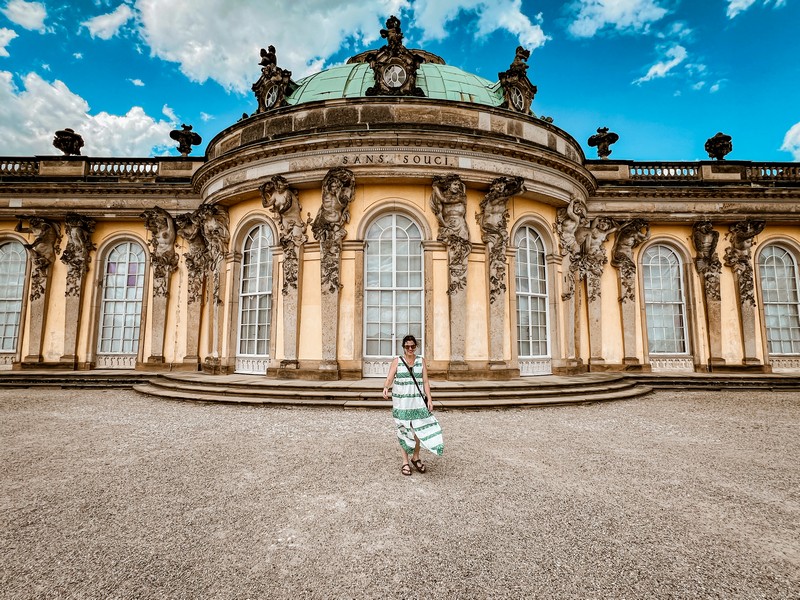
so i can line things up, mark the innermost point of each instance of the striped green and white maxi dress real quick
(410, 413)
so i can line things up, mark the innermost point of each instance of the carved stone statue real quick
(163, 257)
(394, 66)
(186, 138)
(328, 226)
(393, 35)
(274, 85)
(44, 248)
(594, 253)
(493, 221)
(216, 233)
(517, 88)
(738, 256)
(706, 260)
(190, 228)
(449, 204)
(284, 203)
(630, 235)
(69, 142)
(603, 140)
(77, 254)
(718, 146)
(572, 227)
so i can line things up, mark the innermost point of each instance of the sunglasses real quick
(410, 346)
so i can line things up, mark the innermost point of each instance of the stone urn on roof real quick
(718, 146)
(603, 140)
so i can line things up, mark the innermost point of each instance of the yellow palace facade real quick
(393, 195)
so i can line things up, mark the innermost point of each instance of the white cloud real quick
(6, 35)
(30, 15)
(107, 26)
(791, 141)
(674, 56)
(739, 6)
(432, 16)
(699, 85)
(170, 114)
(77, 55)
(30, 117)
(305, 34)
(714, 88)
(206, 117)
(622, 15)
(137, 82)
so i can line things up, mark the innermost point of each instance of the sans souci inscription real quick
(400, 159)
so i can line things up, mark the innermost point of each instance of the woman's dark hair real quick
(409, 338)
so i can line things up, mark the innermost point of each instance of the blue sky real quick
(664, 74)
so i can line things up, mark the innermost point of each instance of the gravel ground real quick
(107, 494)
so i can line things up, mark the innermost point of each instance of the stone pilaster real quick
(193, 313)
(38, 318)
(291, 317)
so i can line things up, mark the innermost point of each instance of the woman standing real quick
(412, 406)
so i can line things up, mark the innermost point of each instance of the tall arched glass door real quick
(781, 301)
(13, 262)
(255, 302)
(665, 310)
(121, 307)
(393, 290)
(533, 343)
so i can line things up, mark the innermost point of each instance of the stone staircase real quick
(719, 381)
(367, 393)
(50, 378)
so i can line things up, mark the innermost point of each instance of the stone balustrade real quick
(82, 167)
(18, 167)
(614, 172)
(122, 168)
(673, 171)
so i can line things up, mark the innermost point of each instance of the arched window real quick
(121, 308)
(255, 302)
(393, 289)
(781, 299)
(664, 300)
(533, 344)
(13, 262)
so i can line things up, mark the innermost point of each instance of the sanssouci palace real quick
(390, 195)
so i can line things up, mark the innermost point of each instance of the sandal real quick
(418, 465)
(405, 469)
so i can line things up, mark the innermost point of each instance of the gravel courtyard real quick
(108, 494)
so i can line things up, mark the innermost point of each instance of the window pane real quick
(779, 291)
(121, 310)
(255, 293)
(665, 306)
(393, 284)
(531, 283)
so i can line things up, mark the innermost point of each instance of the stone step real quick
(441, 392)
(595, 395)
(719, 381)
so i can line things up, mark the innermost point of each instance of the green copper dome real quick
(438, 81)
